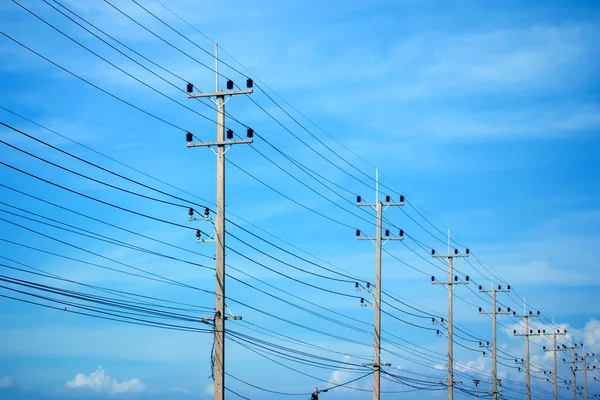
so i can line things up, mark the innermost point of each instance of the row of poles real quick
(222, 144)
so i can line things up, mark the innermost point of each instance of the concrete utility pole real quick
(476, 382)
(573, 368)
(500, 384)
(379, 242)
(494, 313)
(528, 332)
(554, 349)
(219, 229)
(450, 284)
(585, 370)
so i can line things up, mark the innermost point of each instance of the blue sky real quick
(485, 116)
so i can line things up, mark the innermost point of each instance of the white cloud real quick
(209, 389)
(5, 382)
(181, 390)
(99, 381)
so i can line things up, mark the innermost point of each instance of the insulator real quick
(401, 233)
(467, 251)
(539, 331)
(530, 313)
(442, 319)
(499, 287)
(433, 320)
(508, 309)
(229, 134)
(387, 199)
(515, 332)
(206, 211)
(368, 285)
(480, 287)
(387, 232)
(249, 83)
(189, 137)
(191, 212)
(499, 309)
(543, 331)
(250, 133)
(401, 198)
(356, 285)
(508, 287)
(198, 233)
(455, 278)
(488, 343)
(437, 332)
(544, 347)
(190, 88)
(538, 313)
(432, 278)
(362, 300)
(531, 331)
(514, 313)
(358, 232)
(467, 278)
(455, 251)
(480, 309)
(358, 199)
(432, 251)
(480, 343)
(229, 84)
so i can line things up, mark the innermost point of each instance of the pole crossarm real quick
(219, 93)
(219, 143)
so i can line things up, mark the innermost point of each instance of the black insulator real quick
(356, 285)
(508, 287)
(455, 278)
(401, 198)
(508, 309)
(538, 313)
(515, 332)
(362, 300)
(189, 137)
(358, 199)
(488, 343)
(467, 251)
(499, 287)
(432, 251)
(442, 319)
(249, 83)
(387, 199)
(530, 313)
(437, 332)
(387, 232)
(544, 347)
(467, 278)
(198, 233)
(499, 309)
(401, 233)
(206, 211)
(543, 331)
(433, 320)
(368, 285)
(250, 133)
(480, 287)
(455, 251)
(358, 232)
(229, 84)
(191, 212)
(479, 309)
(432, 278)
(539, 331)
(190, 88)
(229, 134)
(531, 331)
(514, 313)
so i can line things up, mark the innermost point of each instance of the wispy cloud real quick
(99, 381)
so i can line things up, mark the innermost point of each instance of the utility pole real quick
(379, 242)
(573, 368)
(528, 332)
(555, 348)
(476, 382)
(219, 228)
(450, 284)
(500, 384)
(585, 370)
(494, 313)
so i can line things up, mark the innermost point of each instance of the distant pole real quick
(476, 382)
(554, 350)
(219, 226)
(378, 206)
(527, 334)
(451, 282)
(494, 313)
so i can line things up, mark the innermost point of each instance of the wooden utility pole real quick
(379, 207)
(451, 282)
(219, 228)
